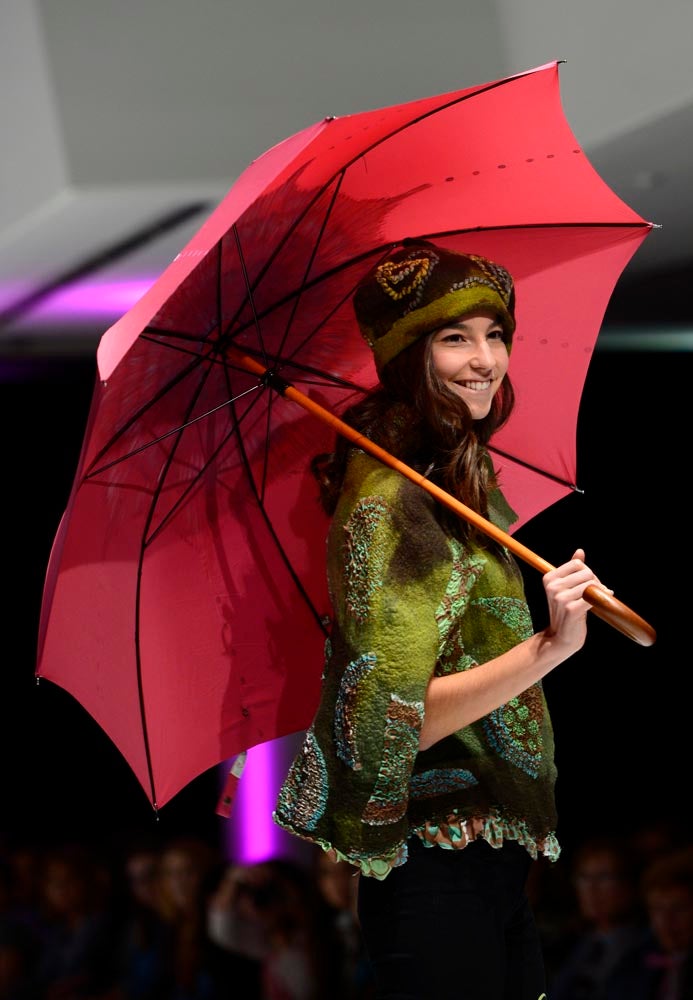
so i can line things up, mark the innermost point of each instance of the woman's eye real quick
(496, 335)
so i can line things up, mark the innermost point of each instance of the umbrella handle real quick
(604, 605)
(619, 615)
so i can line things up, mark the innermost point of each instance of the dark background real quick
(620, 710)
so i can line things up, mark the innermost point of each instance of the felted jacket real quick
(410, 601)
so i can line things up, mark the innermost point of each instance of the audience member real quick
(197, 968)
(550, 890)
(338, 883)
(667, 888)
(18, 944)
(140, 945)
(75, 933)
(604, 959)
(656, 836)
(274, 911)
(175, 923)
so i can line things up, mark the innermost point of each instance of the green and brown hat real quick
(419, 287)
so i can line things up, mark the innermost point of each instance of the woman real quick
(432, 730)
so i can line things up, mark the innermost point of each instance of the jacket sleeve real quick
(389, 570)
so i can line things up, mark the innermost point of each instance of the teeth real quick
(476, 386)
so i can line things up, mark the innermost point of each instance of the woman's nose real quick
(482, 356)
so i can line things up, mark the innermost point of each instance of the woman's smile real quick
(471, 357)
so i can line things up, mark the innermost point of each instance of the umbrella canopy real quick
(185, 605)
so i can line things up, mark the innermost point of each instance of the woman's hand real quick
(456, 700)
(564, 587)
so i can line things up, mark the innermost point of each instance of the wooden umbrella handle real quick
(619, 615)
(604, 605)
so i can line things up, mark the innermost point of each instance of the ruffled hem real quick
(452, 835)
(373, 867)
(456, 833)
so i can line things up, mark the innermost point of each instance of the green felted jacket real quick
(409, 601)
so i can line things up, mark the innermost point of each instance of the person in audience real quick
(195, 967)
(274, 912)
(338, 882)
(667, 888)
(76, 931)
(612, 935)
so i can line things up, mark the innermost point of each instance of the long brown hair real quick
(417, 418)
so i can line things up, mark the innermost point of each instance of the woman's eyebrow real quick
(460, 324)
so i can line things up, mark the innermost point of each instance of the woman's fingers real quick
(565, 586)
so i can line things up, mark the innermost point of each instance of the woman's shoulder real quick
(380, 502)
(367, 475)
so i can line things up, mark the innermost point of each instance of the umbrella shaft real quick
(604, 605)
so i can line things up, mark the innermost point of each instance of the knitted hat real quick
(420, 287)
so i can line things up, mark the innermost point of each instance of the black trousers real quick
(453, 925)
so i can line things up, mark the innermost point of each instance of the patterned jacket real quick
(410, 601)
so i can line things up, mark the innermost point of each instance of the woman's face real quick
(470, 356)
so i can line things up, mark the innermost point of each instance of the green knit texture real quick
(410, 602)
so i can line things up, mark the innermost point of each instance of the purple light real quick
(97, 299)
(85, 300)
(257, 789)
(11, 293)
(251, 833)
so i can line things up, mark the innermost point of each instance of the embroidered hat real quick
(420, 287)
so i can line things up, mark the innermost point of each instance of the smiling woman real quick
(471, 359)
(433, 730)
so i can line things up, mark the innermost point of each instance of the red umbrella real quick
(185, 604)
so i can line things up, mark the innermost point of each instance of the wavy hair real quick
(412, 414)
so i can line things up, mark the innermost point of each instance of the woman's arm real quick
(456, 700)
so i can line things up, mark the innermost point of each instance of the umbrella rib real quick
(327, 377)
(279, 246)
(378, 142)
(265, 458)
(219, 357)
(321, 233)
(270, 527)
(201, 471)
(179, 377)
(359, 156)
(441, 234)
(140, 682)
(198, 359)
(535, 468)
(483, 89)
(167, 434)
(251, 288)
(326, 319)
(146, 541)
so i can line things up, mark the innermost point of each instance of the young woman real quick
(429, 764)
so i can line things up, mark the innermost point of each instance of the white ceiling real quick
(126, 121)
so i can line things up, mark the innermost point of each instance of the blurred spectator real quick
(197, 968)
(23, 863)
(549, 888)
(76, 954)
(141, 941)
(18, 945)
(338, 883)
(656, 836)
(273, 911)
(606, 954)
(18, 952)
(667, 888)
(141, 870)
